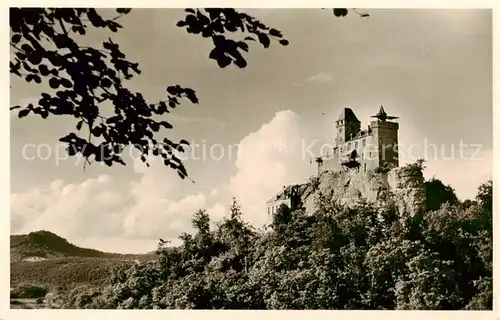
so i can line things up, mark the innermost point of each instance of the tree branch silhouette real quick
(85, 78)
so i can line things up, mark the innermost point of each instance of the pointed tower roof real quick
(382, 115)
(348, 115)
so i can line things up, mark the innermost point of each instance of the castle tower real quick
(347, 125)
(385, 135)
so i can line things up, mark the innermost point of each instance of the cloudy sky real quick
(432, 68)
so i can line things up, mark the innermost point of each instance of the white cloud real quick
(119, 244)
(267, 160)
(320, 78)
(69, 210)
(100, 211)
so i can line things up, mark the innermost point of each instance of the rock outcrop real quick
(405, 185)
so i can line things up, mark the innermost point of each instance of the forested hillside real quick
(337, 258)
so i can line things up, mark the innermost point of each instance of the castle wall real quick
(365, 147)
(374, 149)
(272, 206)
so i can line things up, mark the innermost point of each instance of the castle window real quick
(364, 142)
(355, 145)
(268, 210)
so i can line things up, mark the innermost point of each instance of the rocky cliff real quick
(403, 184)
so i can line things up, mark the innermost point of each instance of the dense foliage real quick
(28, 291)
(337, 258)
(437, 193)
(64, 273)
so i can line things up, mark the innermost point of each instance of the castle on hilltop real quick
(364, 150)
(355, 150)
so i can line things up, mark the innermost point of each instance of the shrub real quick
(28, 291)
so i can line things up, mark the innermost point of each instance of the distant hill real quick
(46, 259)
(41, 245)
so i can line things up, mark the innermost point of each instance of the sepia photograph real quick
(251, 159)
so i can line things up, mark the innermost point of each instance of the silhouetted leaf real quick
(106, 83)
(84, 79)
(54, 83)
(65, 83)
(342, 12)
(166, 125)
(275, 33)
(243, 46)
(264, 40)
(240, 62)
(181, 23)
(23, 113)
(44, 70)
(16, 38)
(113, 26)
(95, 18)
(123, 10)
(223, 61)
(26, 48)
(154, 126)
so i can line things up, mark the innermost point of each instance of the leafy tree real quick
(90, 82)
(438, 194)
(28, 291)
(485, 195)
(364, 257)
(336, 258)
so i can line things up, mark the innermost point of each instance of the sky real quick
(258, 128)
